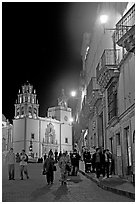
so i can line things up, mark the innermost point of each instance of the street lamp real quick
(71, 120)
(60, 135)
(73, 93)
(103, 19)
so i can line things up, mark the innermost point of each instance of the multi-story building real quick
(7, 134)
(106, 116)
(37, 135)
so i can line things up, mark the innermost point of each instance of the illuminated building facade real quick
(37, 135)
(7, 134)
(106, 109)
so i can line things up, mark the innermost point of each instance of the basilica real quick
(37, 135)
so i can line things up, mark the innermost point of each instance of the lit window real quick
(23, 98)
(29, 99)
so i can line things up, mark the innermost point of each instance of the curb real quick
(114, 190)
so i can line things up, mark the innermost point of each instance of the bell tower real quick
(26, 103)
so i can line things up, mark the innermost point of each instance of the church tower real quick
(26, 103)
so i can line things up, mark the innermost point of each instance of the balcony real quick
(92, 86)
(107, 67)
(125, 31)
(93, 92)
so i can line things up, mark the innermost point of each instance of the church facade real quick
(37, 135)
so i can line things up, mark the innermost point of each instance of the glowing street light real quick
(73, 93)
(103, 19)
(71, 120)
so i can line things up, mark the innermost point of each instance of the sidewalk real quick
(114, 184)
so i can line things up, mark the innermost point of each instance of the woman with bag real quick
(64, 163)
(49, 168)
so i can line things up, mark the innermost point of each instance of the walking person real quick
(23, 164)
(75, 157)
(10, 160)
(87, 160)
(64, 162)
(49, 167)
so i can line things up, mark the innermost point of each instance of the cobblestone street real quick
(78, 189)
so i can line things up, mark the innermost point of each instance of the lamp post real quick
(63, 102)
(60, 135)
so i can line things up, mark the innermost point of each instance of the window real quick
(112, 100)
(32, 135)
(134, 137)
(66, 140)
(23, 99)
(29, 99)
(118, 139)
(128, 145)
(22, 111)
(32, 99)
(20, 99)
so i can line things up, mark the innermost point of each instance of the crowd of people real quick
(68, 164)
(101, 162)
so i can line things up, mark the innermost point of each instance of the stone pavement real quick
(114, 184)
(78, 189)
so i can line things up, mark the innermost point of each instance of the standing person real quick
(63, 162)
(50, 152)
(49, 166)
(87, 160)
(60, 154)
(111, 164)
(56, 156)
(106, 163)
(23, 164)
(75, 157)
(97, 160)
(45, 156)
(10, 160)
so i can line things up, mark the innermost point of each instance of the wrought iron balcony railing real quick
(125, 29)
(92, 86)
(108, 61)
(93, 92)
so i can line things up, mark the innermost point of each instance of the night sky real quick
(41, 43)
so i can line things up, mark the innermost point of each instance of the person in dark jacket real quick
(49, 167)
(56, 156)
(87, 160)
(105, 163)
(45, 156)
(50, 152)
(75, 157)
(97, 160)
